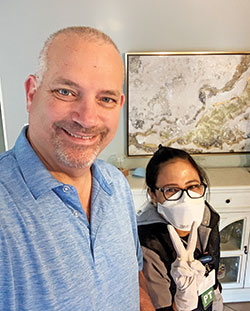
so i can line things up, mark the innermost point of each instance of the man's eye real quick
(107, 99)
(64, 92)
(108, 102)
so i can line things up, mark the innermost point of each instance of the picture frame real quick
(196, 101)
(3, 136)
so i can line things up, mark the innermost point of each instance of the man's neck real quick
(83, 185)
(72, 178)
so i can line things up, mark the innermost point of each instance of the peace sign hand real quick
(186, 254)
(187, 273)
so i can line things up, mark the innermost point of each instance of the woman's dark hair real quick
(165, 154)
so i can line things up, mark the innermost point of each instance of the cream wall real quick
(135, 25)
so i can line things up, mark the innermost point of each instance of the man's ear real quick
(30, 90)
(122, 100)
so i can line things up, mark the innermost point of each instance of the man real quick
(68, 237)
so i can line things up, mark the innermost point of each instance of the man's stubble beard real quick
(74, 155)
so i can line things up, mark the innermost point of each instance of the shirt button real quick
(76, 214)
(66, 188)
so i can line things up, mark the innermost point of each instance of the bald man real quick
(68, 236)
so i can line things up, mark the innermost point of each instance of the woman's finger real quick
(177, 243)
(192, 240)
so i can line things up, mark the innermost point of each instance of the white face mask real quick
(182, 213)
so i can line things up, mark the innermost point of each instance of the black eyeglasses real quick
(194, 192)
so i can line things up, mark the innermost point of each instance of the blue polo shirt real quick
(51, 257)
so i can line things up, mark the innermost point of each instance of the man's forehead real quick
(75, 42)
(66, 51)
(74, 46)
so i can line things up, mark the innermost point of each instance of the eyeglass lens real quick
(174, 193)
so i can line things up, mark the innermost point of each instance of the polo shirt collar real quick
(102, 176)
(38, 178)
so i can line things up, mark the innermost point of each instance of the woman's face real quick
(174, 173)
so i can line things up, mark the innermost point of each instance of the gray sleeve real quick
(158, 282)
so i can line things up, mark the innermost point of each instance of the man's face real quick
(74, 112)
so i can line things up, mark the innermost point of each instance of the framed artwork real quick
(198, 101)
(3, 138)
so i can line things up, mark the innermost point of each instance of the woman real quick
(180, 262)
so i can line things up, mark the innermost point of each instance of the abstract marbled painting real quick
(199, 102)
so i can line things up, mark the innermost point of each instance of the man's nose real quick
(85, 112)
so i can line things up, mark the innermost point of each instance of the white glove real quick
(186, 272)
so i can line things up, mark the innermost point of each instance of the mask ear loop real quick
(150, 198)
(207, 195)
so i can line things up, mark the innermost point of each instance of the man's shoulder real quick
(104, 165)
(111, 179)
(5, 155)
(10, 175)
(7, 163)
(109, 171)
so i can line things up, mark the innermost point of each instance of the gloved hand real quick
(186, 272)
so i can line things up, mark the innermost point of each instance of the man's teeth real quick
(78, 136)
